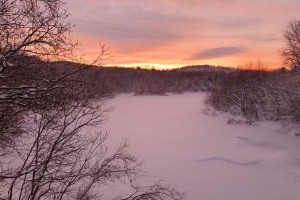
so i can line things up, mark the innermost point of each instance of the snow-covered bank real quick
(202, 154)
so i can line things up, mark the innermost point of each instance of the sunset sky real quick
(175, 33)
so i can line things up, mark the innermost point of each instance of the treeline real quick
(251, 91)
(101, 81)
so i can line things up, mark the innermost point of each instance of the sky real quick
(176, 33)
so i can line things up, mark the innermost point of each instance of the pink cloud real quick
(166, 31)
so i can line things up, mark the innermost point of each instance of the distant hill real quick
(205, 68)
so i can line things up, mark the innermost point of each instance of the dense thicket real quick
(109, 80)
(259, 95)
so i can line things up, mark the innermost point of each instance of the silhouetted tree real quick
(50, 147)
(291, 51)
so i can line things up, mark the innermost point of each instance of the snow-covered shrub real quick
(240, 93)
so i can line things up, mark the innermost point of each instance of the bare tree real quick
(28, 28)
(59, 152)
(63, 157)
(34, 27)
(291, 51)
(33, 32)
(156, 191)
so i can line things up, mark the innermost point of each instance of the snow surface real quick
(202, 154)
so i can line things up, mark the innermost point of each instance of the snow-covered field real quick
(203, 155)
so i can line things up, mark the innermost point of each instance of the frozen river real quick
(203, 155)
